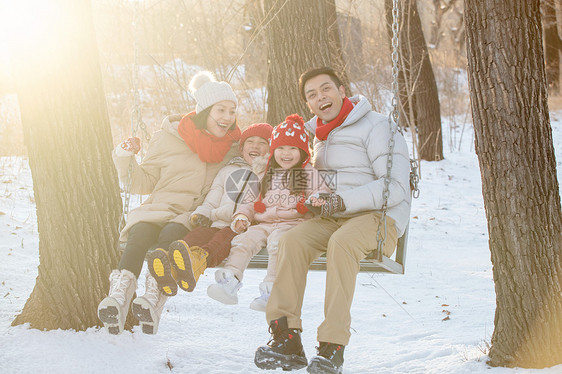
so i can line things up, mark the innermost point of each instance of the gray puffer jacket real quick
(357, 150)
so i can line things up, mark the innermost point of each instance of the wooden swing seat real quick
(372, 265)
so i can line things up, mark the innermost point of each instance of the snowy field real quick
(437, 318)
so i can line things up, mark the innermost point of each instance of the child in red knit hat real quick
(289, 180)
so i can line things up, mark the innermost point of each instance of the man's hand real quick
(326, 204)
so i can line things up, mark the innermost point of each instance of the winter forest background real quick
(483, 285)
(171, 40)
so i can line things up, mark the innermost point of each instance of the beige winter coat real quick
(176, 179)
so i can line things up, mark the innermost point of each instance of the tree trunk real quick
(255, 51)
(440, 8)
(514, 145)
(419, 99)
(68, 138)
(300, 35)
(551, 46)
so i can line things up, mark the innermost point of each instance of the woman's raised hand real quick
(132, 144)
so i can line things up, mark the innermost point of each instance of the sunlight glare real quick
(28, 22)
(42, 30)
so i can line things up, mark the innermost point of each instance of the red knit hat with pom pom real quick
(290, 133)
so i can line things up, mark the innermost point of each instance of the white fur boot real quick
(148, 307)
(112, 310)
(226, 288)
(260, 302)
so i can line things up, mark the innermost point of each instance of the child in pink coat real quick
(289, 181)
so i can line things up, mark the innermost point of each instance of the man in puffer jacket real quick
(353, 141)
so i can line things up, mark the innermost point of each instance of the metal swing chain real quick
(394, 117)
(395, 113)
(136, 119)
(414, 178)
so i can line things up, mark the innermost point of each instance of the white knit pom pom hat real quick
(207, 91)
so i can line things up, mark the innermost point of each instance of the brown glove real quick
(200, 220)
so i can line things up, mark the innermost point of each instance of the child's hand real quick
(200, 220)
(241, 225)
(316, 201)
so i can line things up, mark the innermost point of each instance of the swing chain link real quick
(414, 178)
(381, 230)
(395, 66)
(126, 198)
(414, 174)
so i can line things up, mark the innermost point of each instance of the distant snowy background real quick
(437, 318)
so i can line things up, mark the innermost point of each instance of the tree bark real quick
(551, 46)
(521, 194)
(440, 8)
(68, 138)
(419, 98)
(300, 35)
(255, 50)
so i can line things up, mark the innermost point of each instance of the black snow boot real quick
(284, 350)
(328, 361)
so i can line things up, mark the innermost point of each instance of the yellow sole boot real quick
(198, 261)
(159, 267)
(188, 263)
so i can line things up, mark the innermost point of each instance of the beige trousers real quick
(346, 242)
(249, 243)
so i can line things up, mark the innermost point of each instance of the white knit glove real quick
(238, 218)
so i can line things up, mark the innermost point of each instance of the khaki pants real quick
(346, 242)
(249, 243)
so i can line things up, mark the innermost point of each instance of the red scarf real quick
(208, 147)
(323, 129)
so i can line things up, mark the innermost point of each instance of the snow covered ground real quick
(437, 318)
